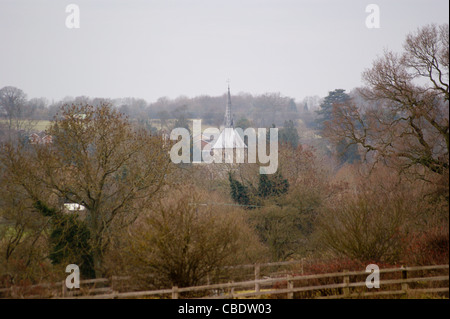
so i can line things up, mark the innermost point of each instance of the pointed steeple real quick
(228, 121)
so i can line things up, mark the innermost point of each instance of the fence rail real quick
(347, 284)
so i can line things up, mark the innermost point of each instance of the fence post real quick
(112, 283)
(290, 285)
(231, 289)
(303, 261)
(404, 277)
(346, 289)
(175, 292)
(64, 289)
(257, 277)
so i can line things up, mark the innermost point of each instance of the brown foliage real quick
(373, 220)
(182, 239)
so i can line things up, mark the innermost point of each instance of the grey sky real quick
(150, 49)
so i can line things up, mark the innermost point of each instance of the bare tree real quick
(13, 105)
(370, 221)
(407, 120)
(182, 240)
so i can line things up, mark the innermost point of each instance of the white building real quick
(229, 142)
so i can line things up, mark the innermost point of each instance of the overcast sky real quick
(150, 49)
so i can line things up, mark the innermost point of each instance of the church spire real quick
(228, 121)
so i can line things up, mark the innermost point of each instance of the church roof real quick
(228, 138)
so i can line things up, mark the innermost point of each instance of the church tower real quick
(228, 121)
(229, 144)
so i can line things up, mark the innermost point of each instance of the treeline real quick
(261, 110)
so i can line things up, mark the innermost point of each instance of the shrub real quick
(180, 242)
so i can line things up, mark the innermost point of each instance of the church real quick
(229, 144)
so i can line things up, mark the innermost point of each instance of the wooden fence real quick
(409, 282)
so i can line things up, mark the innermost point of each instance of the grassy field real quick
(39, 125)
(42, 125)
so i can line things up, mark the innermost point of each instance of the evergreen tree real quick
(325, 113)
(273, 185)
(292, 106)
(288, 134)
(265, 186)
(69, 240)
(239, 192)
(269, 186)
(346, 152)
(306, 108)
